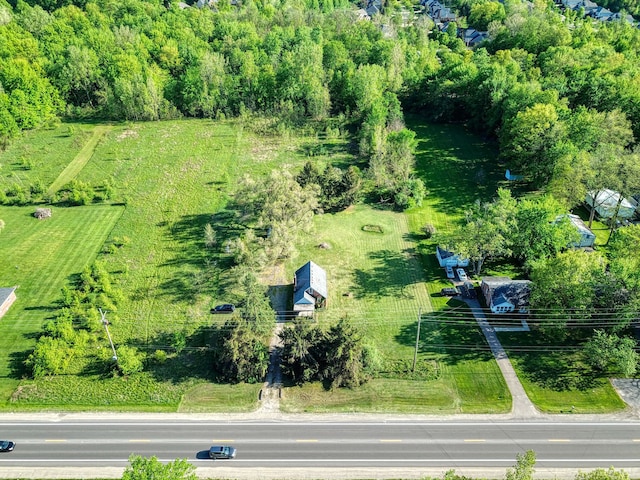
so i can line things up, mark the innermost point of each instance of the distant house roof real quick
(7, 297)
(445, 257)
(310, 283)
(587, 237)
(588, 5)
(372, 10)
(617, 17)
(578, 223)
(601, 13)
(362, 14)
(472, 37)
(5, 293)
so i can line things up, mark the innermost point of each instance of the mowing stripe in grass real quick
(77, 164)
(41, 257)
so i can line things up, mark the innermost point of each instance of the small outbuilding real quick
(309, 289)
(606, 201)
(587, 237)
(7, 297)
(504, 295)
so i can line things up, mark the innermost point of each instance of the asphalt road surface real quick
(321, 445)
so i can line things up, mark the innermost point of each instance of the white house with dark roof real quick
(504, 295)
(450, 259)
(309, 289)
(7, 297)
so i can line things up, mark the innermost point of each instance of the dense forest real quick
(558, 91)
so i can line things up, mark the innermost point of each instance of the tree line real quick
(557, 93)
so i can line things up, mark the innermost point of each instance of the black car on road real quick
(222, 452)
(6, 446)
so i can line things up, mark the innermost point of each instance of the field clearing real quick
(80, 160)
(172, 177)
(374, 277)
(376, 280)
(41, 155)
(41, 256)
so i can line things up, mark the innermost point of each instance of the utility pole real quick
(105, 322)
(415, 353)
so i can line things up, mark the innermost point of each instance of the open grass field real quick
(40, 257)
(555, 377)
(169, 179)
(42, 155)
(172, 178)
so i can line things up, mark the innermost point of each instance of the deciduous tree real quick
(611, 353)
(565, 286)
(524, 469)
(538, 232)
(486, 232)
(281, 207)
(143, 468)
(241, 354)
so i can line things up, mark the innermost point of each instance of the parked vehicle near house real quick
(224, 308)
(449, 292)
(449, 270)
(462, 275)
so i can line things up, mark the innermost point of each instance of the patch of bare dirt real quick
(127, 134)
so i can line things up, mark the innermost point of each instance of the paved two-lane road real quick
(382, 446)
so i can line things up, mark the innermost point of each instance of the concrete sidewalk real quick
(521, 407)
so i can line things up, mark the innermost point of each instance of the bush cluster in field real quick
(74, 193)
(71, 341)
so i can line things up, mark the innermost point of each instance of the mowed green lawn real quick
(376, 280)
(169, 179)
(40, 256)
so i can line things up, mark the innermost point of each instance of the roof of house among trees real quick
(503, 289)
(310, 278)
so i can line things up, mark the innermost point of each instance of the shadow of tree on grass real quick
(451, 334)
(387, 278)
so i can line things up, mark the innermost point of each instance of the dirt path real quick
(272, 388)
